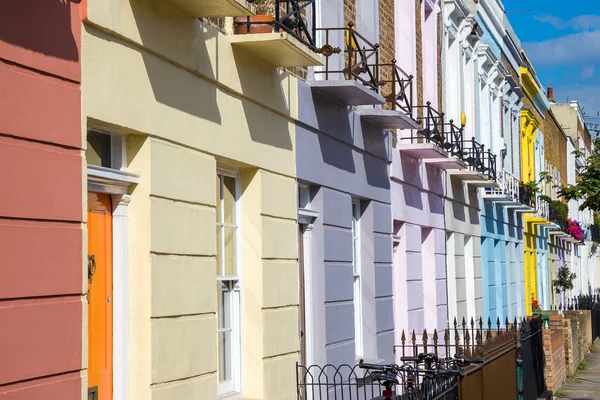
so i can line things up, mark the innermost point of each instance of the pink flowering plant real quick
(575, 229)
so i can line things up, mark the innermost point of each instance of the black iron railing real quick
(361, 57)
(585, 302)
(433, 128)
(489, 165)
(594, 233)
(291, 17)
(530, 359)
(401, 94)
(474, 155)
(330, 382)
(527, 196)
(555, 217)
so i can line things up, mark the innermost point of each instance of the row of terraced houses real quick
(197, 195)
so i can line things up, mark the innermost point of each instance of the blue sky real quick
(562, 40)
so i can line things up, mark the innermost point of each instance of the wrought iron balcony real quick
(401, 94)
(286, 40)
(436, 141)
(481, 165)
(353, 76)
(350, 75)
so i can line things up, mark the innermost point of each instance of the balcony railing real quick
(554, 216)
(542, 208)
(402, 88)
(361, 57)
(489, 165)
(290, 17)
(362, 64)
(595, 233)
(433, 128)
(527, 196)
(508, 187)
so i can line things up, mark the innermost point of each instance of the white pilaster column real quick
(120, 296)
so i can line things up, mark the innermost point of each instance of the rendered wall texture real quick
(41, 202)
(188, 104)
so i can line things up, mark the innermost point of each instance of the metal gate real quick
(530, 361)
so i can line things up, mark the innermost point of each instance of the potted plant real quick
(262, 22)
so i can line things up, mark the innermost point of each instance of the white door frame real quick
(117, 184)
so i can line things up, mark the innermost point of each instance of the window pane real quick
(219, 199)
(98, 149)
(224, 305)
(219, 251)
(225, 373)
(229, 256)
(229, 199)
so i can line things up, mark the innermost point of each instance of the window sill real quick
(233, 396)
(368, 360)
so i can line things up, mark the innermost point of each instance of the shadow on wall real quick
(411, 168)
(473, 206)
(458, 194)
(500, 223)
(490, 223)
(436, 185)
(334, 120)
(48, 28)
(257, 77)
(182, 90)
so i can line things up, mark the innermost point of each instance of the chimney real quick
(550, 94)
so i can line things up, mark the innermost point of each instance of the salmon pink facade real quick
(41, 239)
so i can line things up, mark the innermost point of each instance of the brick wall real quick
(418, 82)
(577, 337)
(439, 62)
(387, 44)
(349, 11)
(555, 369)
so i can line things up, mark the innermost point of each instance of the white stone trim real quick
(108, 180)
(120, 247)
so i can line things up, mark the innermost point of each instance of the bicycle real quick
(431, 387)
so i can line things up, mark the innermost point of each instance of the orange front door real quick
(100, 300)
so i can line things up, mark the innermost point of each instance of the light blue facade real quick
(501, 225)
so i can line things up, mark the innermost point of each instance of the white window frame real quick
(357, 281)
(235, 384)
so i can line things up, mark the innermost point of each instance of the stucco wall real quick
(461, 211)
(342, 159)
(189, 104)
(42, 239)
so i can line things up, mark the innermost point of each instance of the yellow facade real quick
(188, 104)
(529, 125)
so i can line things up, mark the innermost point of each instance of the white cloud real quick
(551, 20)
(582, 47)
(584, 22)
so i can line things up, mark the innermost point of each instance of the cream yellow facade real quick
(188, 105)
